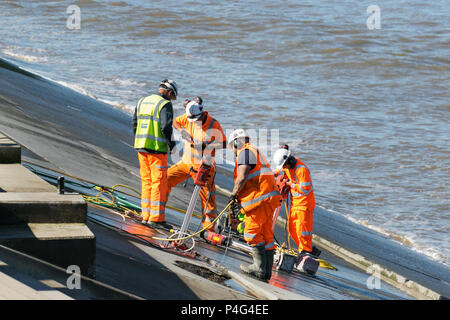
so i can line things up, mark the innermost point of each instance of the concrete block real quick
(12, 289)
(10, 151)
(42, 207)
(62, 244)
(17, 178)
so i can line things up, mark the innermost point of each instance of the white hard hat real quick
(280, 156)
(170, 85)
(194, 111)
(238, 133)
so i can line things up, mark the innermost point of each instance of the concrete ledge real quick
(263, 290)
(410, 287)
(17, 178)
(42, 207)
(60, 244)
(10, 151)
(44, 277)
(392, 278)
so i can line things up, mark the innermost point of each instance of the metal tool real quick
(199, 182)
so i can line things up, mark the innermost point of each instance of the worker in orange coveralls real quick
(255, 194)
(302, 199)
(203, 135)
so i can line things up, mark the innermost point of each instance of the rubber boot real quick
(269, 263)
(258, 268)
(160, 225)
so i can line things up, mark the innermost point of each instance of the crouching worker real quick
(256, 195)
(302, 199)
(203, 135)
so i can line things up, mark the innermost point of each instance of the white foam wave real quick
(80, 89)
(75, 87)
(407, 240)
(121, 105)
(24, 57)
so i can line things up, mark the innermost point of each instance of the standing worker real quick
(203, 135)
(152, 125)
(302, 199)
(256, 195)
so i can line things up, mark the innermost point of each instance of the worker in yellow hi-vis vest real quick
(152, 124)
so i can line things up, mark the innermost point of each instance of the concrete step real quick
(17, 178)
(62, 244)
(10, 151)
(42, 207)
(24, 277)
(13, 289)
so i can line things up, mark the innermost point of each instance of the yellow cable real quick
(167, 206)
(194, 234)
(125, 186)
(105, 191)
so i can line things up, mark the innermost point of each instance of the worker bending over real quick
(256, 195)
(302, 198)
(203, 135)
(152, 125)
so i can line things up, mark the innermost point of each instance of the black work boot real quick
(315, 251)
(258, 268)
(269, 263)
(160, 225)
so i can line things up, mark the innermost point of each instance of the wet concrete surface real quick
(344, 284)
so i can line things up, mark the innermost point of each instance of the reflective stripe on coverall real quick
(149, 134)
(153, 171)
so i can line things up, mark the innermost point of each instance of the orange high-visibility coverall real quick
(302, 205)
(259, 197)
(153, 171)
(210, 133)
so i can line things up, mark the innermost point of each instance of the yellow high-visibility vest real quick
(149, 133)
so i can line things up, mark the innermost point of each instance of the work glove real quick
(283, 184)
(186, 136)
(235, 206)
